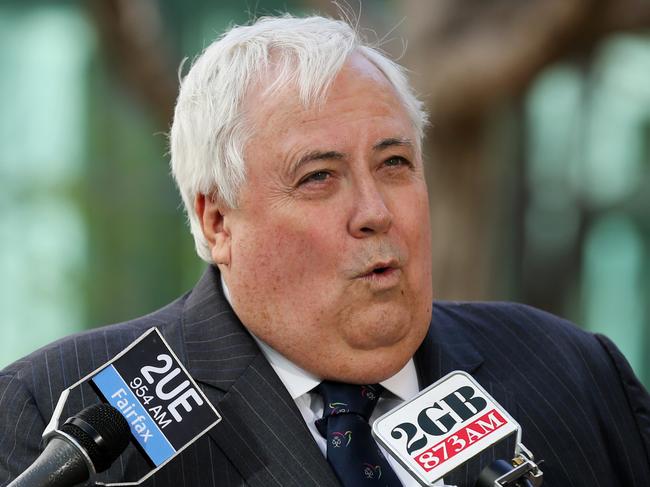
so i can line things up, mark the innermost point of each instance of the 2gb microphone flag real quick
(444, 426)
(164, 407)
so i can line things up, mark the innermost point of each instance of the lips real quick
(380, 268)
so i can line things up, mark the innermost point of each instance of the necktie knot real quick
(340, 398)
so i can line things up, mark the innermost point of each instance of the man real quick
(297, 151)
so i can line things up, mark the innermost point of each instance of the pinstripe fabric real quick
(580, 406)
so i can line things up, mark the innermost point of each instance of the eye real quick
(317, 176)
(396, 161)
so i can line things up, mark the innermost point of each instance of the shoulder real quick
(547, 351)
(559, 373)
(516, 335)
(500, 316)
(512, 327)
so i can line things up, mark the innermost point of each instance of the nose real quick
(370, 215)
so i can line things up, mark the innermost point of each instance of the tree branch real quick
(132, 35)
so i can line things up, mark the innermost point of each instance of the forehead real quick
(360, 97)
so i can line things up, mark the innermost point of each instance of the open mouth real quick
(380, 270)
(382, 277)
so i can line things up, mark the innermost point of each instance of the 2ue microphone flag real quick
(165, 408)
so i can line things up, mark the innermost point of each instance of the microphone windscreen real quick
(102, 431)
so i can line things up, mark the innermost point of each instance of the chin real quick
(372, 365)
(383, 325)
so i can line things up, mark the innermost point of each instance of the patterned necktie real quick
(351, 450)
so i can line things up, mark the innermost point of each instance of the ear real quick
(210, 212)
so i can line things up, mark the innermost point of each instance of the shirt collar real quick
(296, 379)
(404, 384)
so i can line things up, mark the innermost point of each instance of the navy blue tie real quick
(351, 450)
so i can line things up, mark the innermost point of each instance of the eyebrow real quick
(315, 155)
(393, 142)
(318, 155)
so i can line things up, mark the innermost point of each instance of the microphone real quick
(149, 397)
(165, 409)
(450, 423)
(88, 442)
(522, 471)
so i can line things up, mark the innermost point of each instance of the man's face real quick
(329, 251)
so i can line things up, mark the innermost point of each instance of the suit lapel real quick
(436, 358)
(445, 351)
(262, 432)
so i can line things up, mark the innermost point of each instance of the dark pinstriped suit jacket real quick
(580, 407)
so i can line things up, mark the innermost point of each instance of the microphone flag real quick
(148, 385)
(444, 426)
(161, 402)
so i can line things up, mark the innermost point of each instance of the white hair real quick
(208, 134)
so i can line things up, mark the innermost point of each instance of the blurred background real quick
(538, 156)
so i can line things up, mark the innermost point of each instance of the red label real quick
(460, 440)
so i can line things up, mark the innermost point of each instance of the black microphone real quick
(88, 442)
(520, 472)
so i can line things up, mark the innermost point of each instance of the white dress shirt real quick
(301, 384)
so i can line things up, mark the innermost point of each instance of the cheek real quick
(415, 228)
(278, 256)
(421, 234)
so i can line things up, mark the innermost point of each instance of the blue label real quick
(143, 427)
